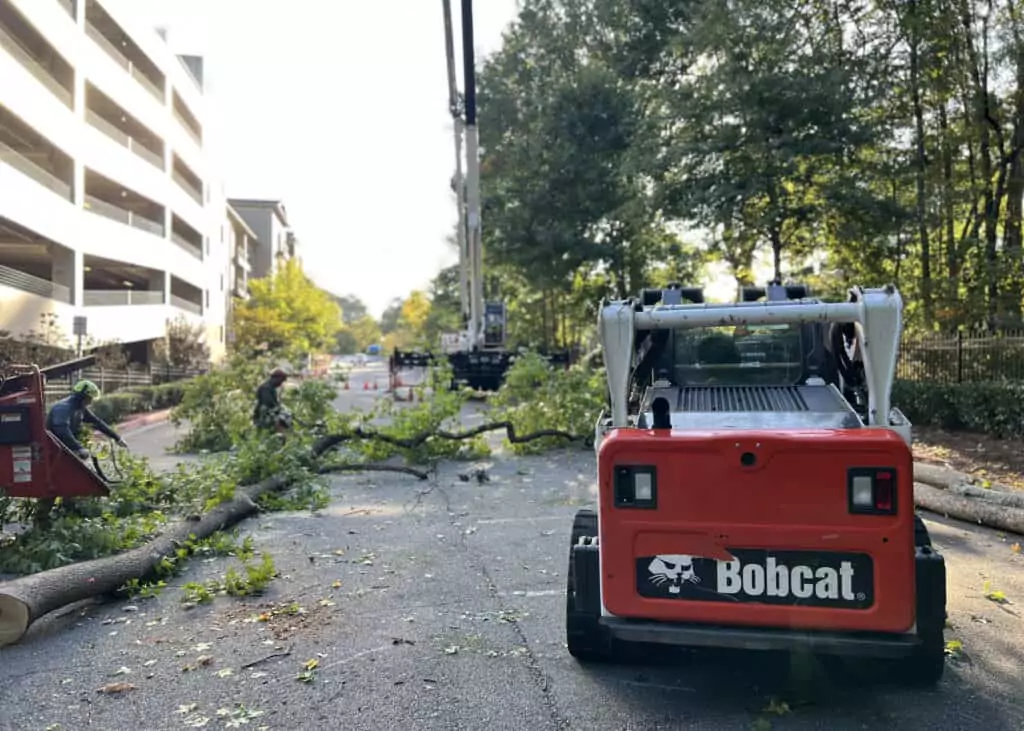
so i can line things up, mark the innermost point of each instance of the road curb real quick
(154, 417)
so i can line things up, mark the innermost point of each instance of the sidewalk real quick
(151, 438)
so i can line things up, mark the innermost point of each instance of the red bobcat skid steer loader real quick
(33, 462)
(744, 501)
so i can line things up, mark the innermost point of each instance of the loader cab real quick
(741, 355)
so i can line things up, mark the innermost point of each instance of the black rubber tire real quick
(586, 639)
(924, 669)
(921, 536)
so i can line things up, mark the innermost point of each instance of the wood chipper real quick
(33, 462)
(746, 498)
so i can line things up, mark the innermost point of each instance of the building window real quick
(206, 243)
(207, 298)
(221, 282)
(222, 333)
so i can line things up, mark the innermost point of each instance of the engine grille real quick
(742, 398)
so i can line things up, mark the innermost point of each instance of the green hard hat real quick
(87, 388)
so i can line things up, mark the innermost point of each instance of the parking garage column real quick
(161, 282)
(68, 270)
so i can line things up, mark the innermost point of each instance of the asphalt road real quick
(440, 605)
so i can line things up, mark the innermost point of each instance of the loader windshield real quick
(743, 355)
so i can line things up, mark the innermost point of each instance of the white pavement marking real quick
(492, 521)
(534, 594)
(356, 656)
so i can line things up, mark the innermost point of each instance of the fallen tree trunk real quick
(971, 510)
(1006, 499)
(24, 600)
(948, 479)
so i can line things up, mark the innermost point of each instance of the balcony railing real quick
(146, 83)
(188, 128)
(35, 68)
(111, 297)
(34, 285)
(69, 6)
(183, 183)
(124, 139)
(188, 305)
(101, 207)
(153, 158)
(111, 50)
(116, 213)
(115, 53)
(42, 176)
(144, 224)
(196, 251)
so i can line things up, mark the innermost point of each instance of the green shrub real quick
(987, 408)
(116, 406)
(536, 396)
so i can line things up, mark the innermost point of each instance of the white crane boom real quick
(467, 189)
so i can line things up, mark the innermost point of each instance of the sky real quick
(340, 109)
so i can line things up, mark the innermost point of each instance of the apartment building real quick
(275, 240)
(109, 205)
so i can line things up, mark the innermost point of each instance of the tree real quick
(184, 345)
(358, 336)
(287, 314)
(352, 308)
(389, 320)
(415, 311)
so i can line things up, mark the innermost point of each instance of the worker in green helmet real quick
(65, 418)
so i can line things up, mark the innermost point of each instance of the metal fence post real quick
(959, 356)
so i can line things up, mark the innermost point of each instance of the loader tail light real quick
(872, 490)
(636, 487)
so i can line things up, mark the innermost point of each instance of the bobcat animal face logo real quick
(674, 569)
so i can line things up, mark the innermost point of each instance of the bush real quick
(536, 396)
(219, 405)
(987, 408)
(437, 407)
(116, 406)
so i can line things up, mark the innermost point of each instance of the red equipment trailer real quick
(756, 486)
(33, 462)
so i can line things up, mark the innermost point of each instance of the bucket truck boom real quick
(477, 354)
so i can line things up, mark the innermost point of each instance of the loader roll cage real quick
(642, 344)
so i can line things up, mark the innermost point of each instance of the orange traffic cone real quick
(366, 385)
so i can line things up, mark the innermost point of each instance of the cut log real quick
(947, 478)
(971, 510)
(1006, 499)
(26, 599)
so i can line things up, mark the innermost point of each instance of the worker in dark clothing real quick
(269, 412)
(65, 418)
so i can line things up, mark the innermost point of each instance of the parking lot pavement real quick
(440, 605)
(448, 614)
